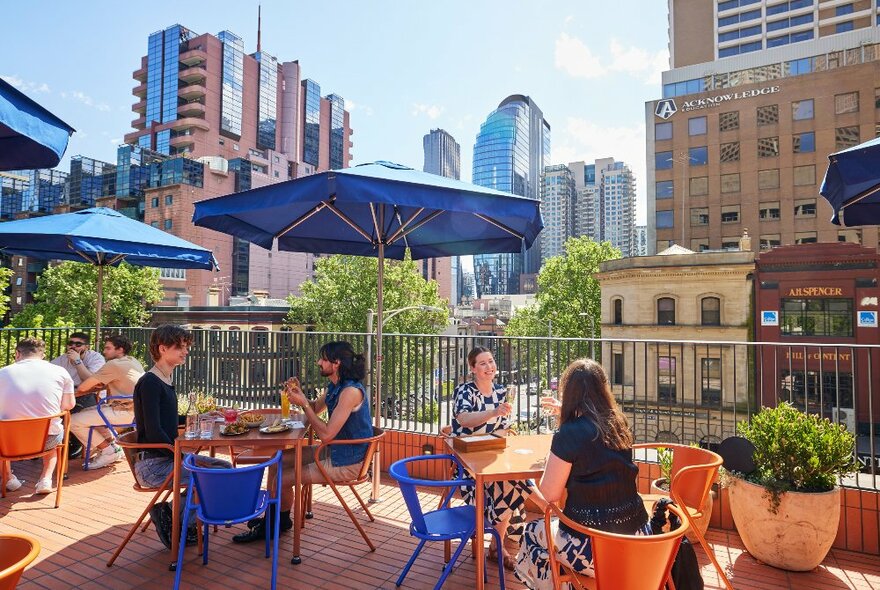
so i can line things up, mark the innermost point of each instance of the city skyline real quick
(385, 86)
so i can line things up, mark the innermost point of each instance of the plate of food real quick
(252, 419)
(275, 427)
(234, 429)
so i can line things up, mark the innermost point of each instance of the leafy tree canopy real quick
(66, 295)
(5, 275)
(566, 289)
(344, 289)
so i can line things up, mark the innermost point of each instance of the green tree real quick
(5, 275)
(344, 289)
(567, 288)
(568, 305)
(66, 296)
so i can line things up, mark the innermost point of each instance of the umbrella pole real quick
(377, 391)
(100, 303)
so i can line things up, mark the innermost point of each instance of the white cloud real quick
(26, 85)
(576, 59)
(431, 110)
(638, 62)
(85, 99)
(352, 106)
(585, 140)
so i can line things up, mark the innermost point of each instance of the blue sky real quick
(403, 67)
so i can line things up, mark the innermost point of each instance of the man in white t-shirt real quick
(33, 387)
(119, 374)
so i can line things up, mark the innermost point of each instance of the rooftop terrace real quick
(98, 507)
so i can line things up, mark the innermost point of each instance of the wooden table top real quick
(253, 437)
(524, 456)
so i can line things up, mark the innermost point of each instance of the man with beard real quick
(348, 410)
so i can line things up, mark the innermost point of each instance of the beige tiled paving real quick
(98, 507)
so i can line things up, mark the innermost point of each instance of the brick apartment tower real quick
(252, 121)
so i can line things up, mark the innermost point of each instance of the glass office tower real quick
(509, 155)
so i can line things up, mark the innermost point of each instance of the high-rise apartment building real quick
(442, 154)
(211, 120)
(558, 196)
(443, 157)
(253, 121)
(641, 233)
(510, 153)
(760, 93)
(606, 203)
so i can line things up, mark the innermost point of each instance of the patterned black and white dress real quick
(503, 498)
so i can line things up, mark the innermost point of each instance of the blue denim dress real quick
(358, 425)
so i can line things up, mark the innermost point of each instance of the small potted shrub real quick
(787, 510)
(660, 487)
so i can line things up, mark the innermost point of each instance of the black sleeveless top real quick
(602, 492)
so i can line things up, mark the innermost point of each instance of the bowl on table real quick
(252, 419)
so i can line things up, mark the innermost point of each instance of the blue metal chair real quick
(445, 523)
(227, 497)
(111, 427)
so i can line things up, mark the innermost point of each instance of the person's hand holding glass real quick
(550, 407)
(292, 394)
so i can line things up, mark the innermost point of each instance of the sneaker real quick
(108, 456)
(257, 531)
(13, 483)
(44, 486)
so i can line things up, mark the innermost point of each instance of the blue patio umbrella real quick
(378, 209)
(30, 136)
(852, 185)
(102, 237)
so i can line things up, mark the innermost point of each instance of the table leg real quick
(297, 506)
(175, 507)
(480, 504)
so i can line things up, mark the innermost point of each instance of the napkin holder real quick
(479, 442)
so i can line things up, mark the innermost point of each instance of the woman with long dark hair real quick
(480, 406)
(590, 459)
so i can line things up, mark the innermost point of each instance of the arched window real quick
(710, 311)
(666, 436)
(666, 311)
(618, 312)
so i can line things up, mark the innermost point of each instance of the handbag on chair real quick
(685, 572)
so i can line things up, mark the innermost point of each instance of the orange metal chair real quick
(16, 553)
(620, 562)
(363, 476)
(24, 438)
(693, 472)
(131, 448)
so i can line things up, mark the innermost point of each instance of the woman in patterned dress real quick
(591, 459)
(481, 407)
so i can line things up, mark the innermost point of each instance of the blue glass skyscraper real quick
(510, 153)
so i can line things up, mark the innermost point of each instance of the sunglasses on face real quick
(75, 343)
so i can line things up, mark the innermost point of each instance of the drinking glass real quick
(230, 415)
(206, 426)
(285, 406)
(192, 427)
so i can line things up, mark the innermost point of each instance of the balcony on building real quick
(140, 106)
(140, 90)
(191, 109)
(192, 74)
(192, 90)
(194, 56)
(139, 123)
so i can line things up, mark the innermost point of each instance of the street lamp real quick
(592, 328)
(386, 315)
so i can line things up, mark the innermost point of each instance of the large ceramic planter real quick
(661, 487)
(797, 537)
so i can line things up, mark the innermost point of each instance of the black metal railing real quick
(671, 391)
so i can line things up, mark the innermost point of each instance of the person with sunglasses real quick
(80, 362)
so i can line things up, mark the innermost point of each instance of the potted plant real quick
(660, 487)
(787, 510)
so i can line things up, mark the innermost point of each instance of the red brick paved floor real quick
(98, 507)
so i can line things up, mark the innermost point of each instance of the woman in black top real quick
(155, 406)
(591, 458)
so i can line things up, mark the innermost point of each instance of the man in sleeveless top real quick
(348, 410)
